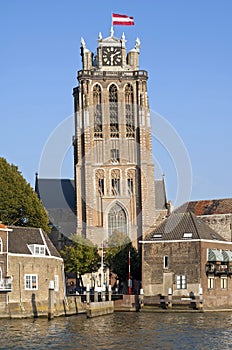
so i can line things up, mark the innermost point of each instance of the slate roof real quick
(160, 195)
(180, 223)
(58, 197)
(20, 237)
(210, 207)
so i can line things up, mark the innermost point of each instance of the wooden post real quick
(51, 300)
(110, 292)
(87, 294)
(170, 298)
(95, 294)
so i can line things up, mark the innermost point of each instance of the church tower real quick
(114, 171)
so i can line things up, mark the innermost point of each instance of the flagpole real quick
(112, 27)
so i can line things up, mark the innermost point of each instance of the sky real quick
(186, 48)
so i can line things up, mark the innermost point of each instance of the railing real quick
(5, 285)
(218, 268)
(121, 74)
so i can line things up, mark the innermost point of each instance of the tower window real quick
(130, 186)
(97, 111)
(115, 182)
(100, 182)
(130, 182)
(114, 155)
(113, 102)
(117, 220)
(129, 108)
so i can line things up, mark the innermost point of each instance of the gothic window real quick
(115, 182)
(100, 182)
(113, 104)
(129, 107)
(114, 155)
(130, 182)
(117, 220)
(97, 111)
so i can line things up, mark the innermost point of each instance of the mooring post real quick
(103, 293)
(110, 292)
(201, 298)
(87, 294)
(170, 298)
(51, 300)
(141, 296)
(95, 294)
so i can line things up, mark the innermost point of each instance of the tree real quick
(19, 204)
(81, 256)
(116, 257)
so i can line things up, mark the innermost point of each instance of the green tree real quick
(117, 254)
(81, 256)
(19, 204)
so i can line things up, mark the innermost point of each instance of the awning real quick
(227, 255)
(215, 255)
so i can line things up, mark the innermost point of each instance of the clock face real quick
(111, 56)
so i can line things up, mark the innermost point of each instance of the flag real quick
(122, 20)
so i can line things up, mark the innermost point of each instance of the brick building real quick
(187, 257)
(28, 262)
(114, 171)
(217, 213)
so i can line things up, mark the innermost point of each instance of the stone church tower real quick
(114, 171)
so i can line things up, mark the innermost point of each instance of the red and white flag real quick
(122, 20)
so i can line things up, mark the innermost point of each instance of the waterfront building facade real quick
(185, 258)
(28, 264)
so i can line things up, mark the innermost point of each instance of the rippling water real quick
(121, 331)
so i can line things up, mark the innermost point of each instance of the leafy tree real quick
(116, 256)
(19, 204)
(81, 256)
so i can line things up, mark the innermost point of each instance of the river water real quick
(121, 331)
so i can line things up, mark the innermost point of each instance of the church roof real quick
(210, 207)
(58, 197)
(21, 237)
(183, 226)
(160, 195)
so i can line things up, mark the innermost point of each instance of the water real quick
(121, 331)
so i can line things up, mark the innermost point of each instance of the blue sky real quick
(186, 48)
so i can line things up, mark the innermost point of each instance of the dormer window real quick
(157, 235)
(187, 235)
(37, 249)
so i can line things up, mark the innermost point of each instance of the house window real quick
(31, 282)
(165, 262)
(210, 282)
(56, 283)
(114, 155)
(181, 282)
(1, 246)
(0, 274)
(223, 282)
